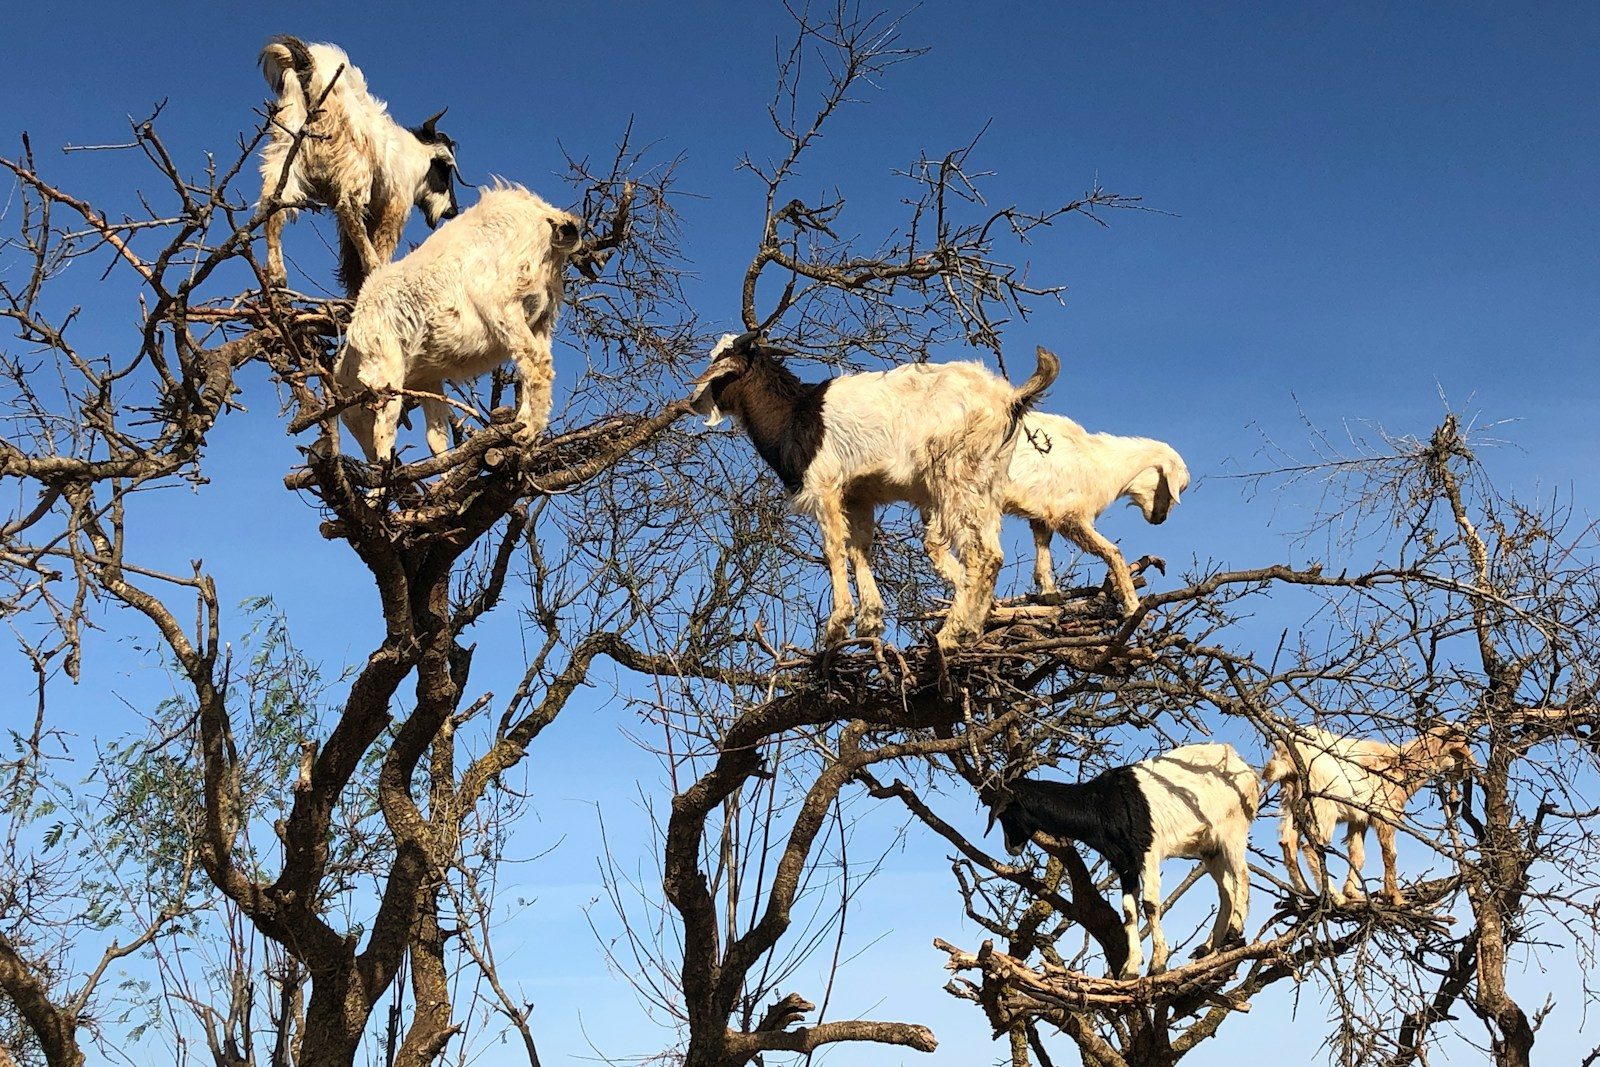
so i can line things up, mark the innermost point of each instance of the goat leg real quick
(535, 378)
(1391, 884)
(352, 220)
(436, 413)
(1152, 911)
(1130, 925)
(277, 277)
(831, 519)
(1355, 847)
(981, 557)
(1044, 574)
(1086, 537)
(1297, 880)
(869, 618)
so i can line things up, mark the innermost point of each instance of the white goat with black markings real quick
(341, 149)
(1195, 802)
(1329, 779)
(483, 289)
(938, 436)
(1063, 477)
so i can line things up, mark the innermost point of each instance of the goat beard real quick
(715, 418)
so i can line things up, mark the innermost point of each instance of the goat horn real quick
(427, 125)
(745, 340)
(710, 372)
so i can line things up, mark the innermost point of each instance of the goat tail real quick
(284, 55)
(1049, 365)
(1280, 768)
(1251, 790)
(1032, 389)
(352, 266)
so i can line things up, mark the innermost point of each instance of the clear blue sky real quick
(1365, 204)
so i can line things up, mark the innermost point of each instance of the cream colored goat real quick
(1062, 477)
(483, 289)
(1360, 783)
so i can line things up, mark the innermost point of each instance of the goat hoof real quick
(835, 632)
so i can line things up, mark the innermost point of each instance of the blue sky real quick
(1357, 206)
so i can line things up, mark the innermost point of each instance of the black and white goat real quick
(353, 158)
(938, 436)
(1063, 477)
(483, 289)
(1358, 782)
(1194, 802)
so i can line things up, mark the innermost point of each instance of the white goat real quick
(484, 288)
(353, 157)
(1194, 802)
(1357, 782)
(1063, 477)
(936, 435)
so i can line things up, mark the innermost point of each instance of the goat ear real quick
(1169, 486)
(1163, 499)
(564, 233)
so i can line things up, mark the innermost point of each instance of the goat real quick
(482, 289)
(1357, 782)
(938, 436)
(1194, 802)
(1063, 477)
(351, 156)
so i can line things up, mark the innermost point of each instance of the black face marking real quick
(438, 181)
(782, 415)
(1016, 828)
(1109, 813)
(439, 175)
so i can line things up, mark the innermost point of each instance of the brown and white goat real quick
(938, 436)
(339, 147)
(483, 289)
(1360, 783)
(1063, 477)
